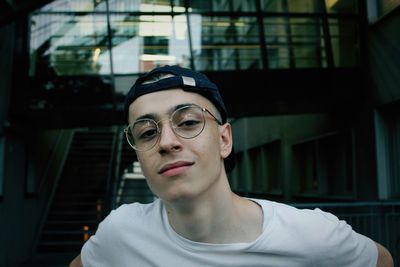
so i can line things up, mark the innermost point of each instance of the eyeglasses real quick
(186, 122)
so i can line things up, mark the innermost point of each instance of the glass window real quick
(142, 42)
(265, 164)
(72, 44)
(140, 6)
(113, 5)
(309, 6)
(222, 5)
(221, 43)
(304, 6)
(294, 42)
(74, 6)
(71, 37)
(325, 165)
(68, 44)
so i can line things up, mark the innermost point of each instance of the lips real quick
(175, 168)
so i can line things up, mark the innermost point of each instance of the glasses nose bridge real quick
(161, 126)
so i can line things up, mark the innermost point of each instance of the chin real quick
(177, 197)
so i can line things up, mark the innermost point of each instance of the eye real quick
(188, 123)
(147, 134)
(187, 119)
(144, 130)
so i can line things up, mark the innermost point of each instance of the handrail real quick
(117, 166)
(50, 160)
(111, 176)
(57, 177)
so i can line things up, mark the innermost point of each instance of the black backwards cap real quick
(186, 79)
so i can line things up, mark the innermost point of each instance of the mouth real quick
(175, 168)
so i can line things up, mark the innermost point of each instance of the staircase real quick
(79, 201)
(132, 186)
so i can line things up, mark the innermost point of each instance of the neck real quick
(216, 217)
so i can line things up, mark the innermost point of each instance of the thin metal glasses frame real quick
(203, 110)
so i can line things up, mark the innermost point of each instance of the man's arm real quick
(78, 263)
(384, 257)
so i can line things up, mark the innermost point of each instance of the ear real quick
(225, 140)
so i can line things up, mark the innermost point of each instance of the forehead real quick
(161, 102)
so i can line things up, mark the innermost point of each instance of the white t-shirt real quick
(140, 235)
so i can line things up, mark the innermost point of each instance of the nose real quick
(169, 141)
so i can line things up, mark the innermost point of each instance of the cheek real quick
(209, 145)
(144, 164)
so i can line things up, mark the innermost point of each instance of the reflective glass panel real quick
(303, 6)
(142, 42)
(309, 6)
(222, 43)
(71, 37)
(68, 44)
(140, 5)
(222, 5)
(75, 6)
(294, 42)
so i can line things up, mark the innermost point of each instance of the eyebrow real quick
(155, 116)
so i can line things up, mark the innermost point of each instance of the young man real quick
(178, 127)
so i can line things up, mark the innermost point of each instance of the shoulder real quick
(322, 235)
(117, 232)
(127, 216)
(319, 228)
(296, 216)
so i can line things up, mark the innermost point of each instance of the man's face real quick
(179, 169)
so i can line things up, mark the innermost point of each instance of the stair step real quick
(81, 189)
(60, 247)
(68, 227)
(72, 217)
(63, 232)
(67, 236)
(54, 259)
(70, 204)
(79, 238)
(72, 222)
(73, 212)
(86, 195)
(77, 192)
(61, 243)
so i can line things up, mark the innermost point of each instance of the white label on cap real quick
(188, 81)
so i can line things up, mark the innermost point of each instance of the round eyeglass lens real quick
(188, 122)
(143, 134)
